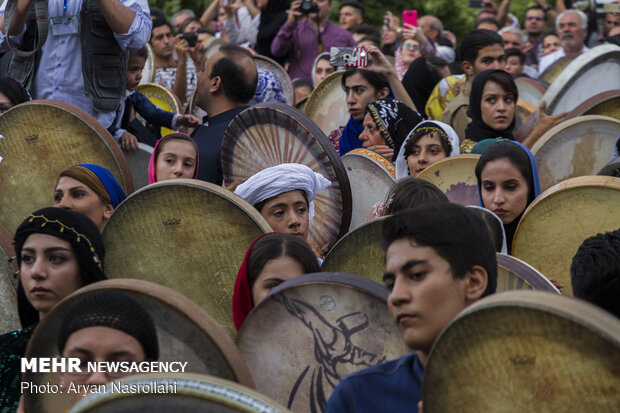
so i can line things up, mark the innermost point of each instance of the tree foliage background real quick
(456, 15)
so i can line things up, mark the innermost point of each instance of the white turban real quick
(286, 177)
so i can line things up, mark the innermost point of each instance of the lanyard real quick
(64, 8)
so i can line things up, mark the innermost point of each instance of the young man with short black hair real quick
(439, 260)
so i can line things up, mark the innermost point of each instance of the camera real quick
(191, 38)
(308, 6)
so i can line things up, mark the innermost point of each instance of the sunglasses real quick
(410, 46)
(537, 18)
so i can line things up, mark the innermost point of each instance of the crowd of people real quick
(424, 96)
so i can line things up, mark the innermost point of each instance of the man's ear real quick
(468, 68)
(476, 281)
(215, 84)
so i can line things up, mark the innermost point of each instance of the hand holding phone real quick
(410, 17)
(348, 56)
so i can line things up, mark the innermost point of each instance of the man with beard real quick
(572, 28)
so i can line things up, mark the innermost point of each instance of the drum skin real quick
(514, 274)
(185, 234)
(149, 71)
(603, 104)
(556, 223)
(552, 72)
(281, 338)
(138, 162)
(456, 177)
(185, 333)
(576, 147)
(36, 148)
(530, 90)
(525, 351)
(327, 105)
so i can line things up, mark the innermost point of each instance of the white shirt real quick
(551, 58)
(244, 34)
(59, 75)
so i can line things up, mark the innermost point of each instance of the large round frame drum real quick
(523, 351)
(530, 90)
(185, 333)
(514, 274)
(187, 235)
(9, 320)
(138, 162)
(41, 138)
(149, 70)
(311, 331)
(456, 177)
(371, 177)
(270, 134)
(576, 147)
(161, 97)
(604, 104)
(561, 218)
(327, 105)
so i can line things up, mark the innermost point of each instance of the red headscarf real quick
(242, 302)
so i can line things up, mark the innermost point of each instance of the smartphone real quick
(191, 38)
(475, 4)
(348, 56)
(386, 22)
(410, 17)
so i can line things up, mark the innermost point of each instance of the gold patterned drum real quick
(174, 393)
(576, 147)
(161, 97)
(270, 134)
(514, 274)
(187, 235)
(604, 104)
(41, 138)
(593, 72)
(312, 331)
(525, 351)
(552, 72)
(371, 177)
(456, 177)
(185, 334)
(561, 218)
(327, 105)
(359, 252)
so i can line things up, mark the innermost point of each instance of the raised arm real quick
(382, 65)
(210, 13)
(19, 17)
(502, 12)
(119, 17)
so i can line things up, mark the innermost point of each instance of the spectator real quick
(488, 23)
(351, 14)
(272, 17)
(572, 28)
(515, 60)
(550, 43)
(369, 41)
(241, 24)
(302, 88)
(363, 30)
(534, 27)
(516, 39)
(321, 68)
(304, 36)
(389, 34)
(179, 18)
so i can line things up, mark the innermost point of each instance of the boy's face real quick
(489, 57)
(134, 72)
(424, 295)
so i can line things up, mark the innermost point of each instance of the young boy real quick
(439, 260)
(143, 106)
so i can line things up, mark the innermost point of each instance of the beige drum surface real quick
(530, 90)
(270, 134)
(149, 70)
(9, 319)
(187, 235)
(456, 177)
(185, 333)
(552, 72)
(41, 139)
(181, 393)
(313, 330)
(604, 104)
(576, 147)
(591, 73)
(138, 162)
(561, 218)
(327, 105)
(514, 274)
(282, 75)
(525, 351)
(371, 177)
(359, 252)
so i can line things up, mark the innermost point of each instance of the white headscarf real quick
(402, 169)
(501, 225)
(286, 177)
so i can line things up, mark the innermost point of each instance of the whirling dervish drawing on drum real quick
(333, 350)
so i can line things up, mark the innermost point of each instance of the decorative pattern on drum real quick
(552, 72)
(576, 147)
(456, 178)
(514, 274)
(326, 105)
(525, 351)
(162, 98)
(371, 177)
(312, 331)
(283, 77)
(561, 218)
(41, 139)
(271, 134)
(185, 234)
(179, 393)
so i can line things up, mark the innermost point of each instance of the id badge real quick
(64, 25)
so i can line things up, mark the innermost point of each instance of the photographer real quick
(306, 33)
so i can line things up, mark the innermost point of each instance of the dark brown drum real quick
(371, 177)
(514, 274)
(604, 104)
(593, 72)
(456, 178)
(173, 393)
(525, 351)
(576, 147)
(37, 146)
(561, 218)
(270, 134)
(187, 235)
(282, 338)
(275, 68)
(185, 332)
(359, 252)
(327, 105)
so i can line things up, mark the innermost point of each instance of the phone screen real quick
(410, 17)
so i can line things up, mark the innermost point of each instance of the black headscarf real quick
(13, 90)
(271, 19)
(419, 81)
(82, 234)
(394, 121)
(477, 130)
